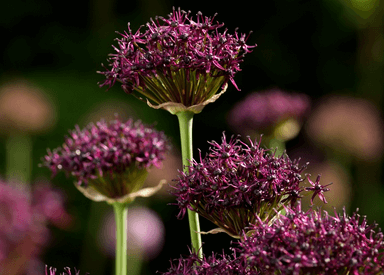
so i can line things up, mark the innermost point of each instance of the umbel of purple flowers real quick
(315, 243)
(211, 265)
(237, 183)
(297, 244)
(177, 63)
(109, 161)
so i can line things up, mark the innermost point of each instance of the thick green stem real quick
(121, 211)
(185, 124)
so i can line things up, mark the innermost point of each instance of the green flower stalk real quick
(185, 124)
(121, 211)
(179, 64)
(110, 162)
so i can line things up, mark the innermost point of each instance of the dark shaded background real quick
(314, 47)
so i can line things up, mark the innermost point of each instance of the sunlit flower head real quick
(314, 242)
(271, 112)
(110, 161)
(237, 182)
(178, 62)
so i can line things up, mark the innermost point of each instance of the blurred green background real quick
(320, 48)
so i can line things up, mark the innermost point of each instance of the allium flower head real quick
(178, 63)
(271, 112)
(314, 243)
(212, 265)
(110, 161)
(237, 182)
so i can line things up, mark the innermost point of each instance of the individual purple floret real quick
(176, 60)
(317, 189)
(314, 243)
(265, 111)
(67, 271)
(236, 183)
(109, 160)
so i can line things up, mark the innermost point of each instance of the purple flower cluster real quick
(236, 183)
(24, 216)
(176, 59)
(298, 244)
(216, 264)
(111, 157)
(262, 111)
(52, 271)
(315, 243)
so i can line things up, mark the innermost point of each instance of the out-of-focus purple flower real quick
(272, 112)
(145, 233)
(49, 203)
(177, 62)
(353, 126)
(314, 243)
(110, 161)
(16, 214)
(236, 183)
(23, 224)
(67, 271)
(25, 107)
